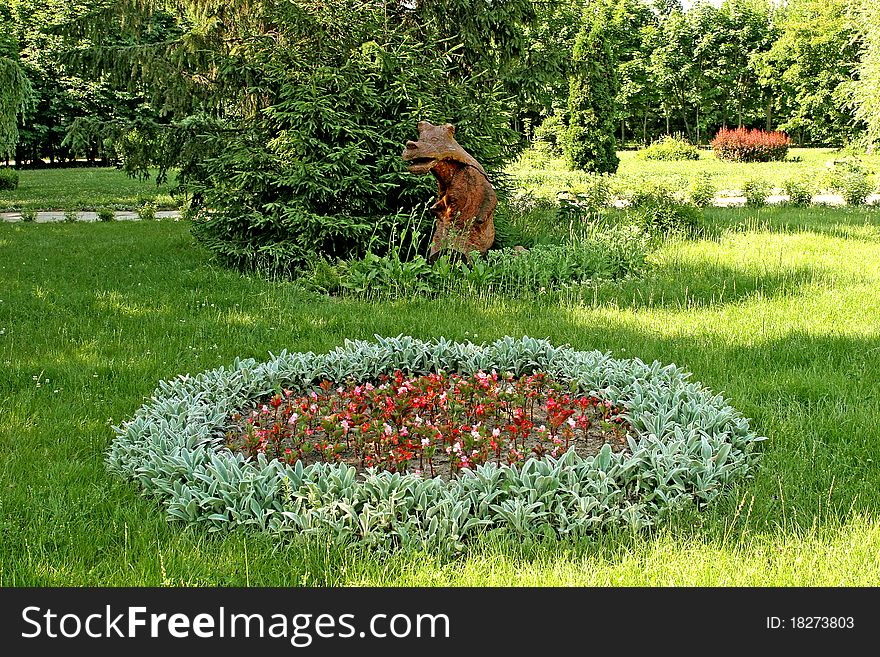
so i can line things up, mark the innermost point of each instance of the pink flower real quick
(426, 442)
(293, 419)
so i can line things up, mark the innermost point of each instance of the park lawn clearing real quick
(545, 176)
(777, 311)
(85, 188)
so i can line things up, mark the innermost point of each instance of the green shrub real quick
(549, 136)
(71, 216)
(666, 217)
(596, 196)
(650, 191)
(526, 220)
(8, 178)
(590, 144)
(28, 216)
(322, 276)
(389, 275)
(669, 148)
(701, 190)
(850, 179)
(106, 214)
(655, 209)
(508, 225)
(147, 212)
(798, 190)
(756, 192)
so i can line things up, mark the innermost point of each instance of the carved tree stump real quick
(465, 198)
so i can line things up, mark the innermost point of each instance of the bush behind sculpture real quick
(317, 171)
(690, 445)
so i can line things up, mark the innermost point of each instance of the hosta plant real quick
(677, 445)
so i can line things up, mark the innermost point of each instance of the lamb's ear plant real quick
(689, 445)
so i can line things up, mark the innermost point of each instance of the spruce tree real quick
(589, 141)
(15, 85)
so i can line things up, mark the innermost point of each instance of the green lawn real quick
(779, 311)
(84, 188)
(545, 176)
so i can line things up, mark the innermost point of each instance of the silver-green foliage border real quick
(689, 444)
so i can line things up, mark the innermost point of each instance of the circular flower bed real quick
(684, 444)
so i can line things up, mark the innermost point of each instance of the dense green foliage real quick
(15, 88)
(112, 80)
(8, 178)
(865, 90)
(670, 149)
(606, 255)
(589, 140)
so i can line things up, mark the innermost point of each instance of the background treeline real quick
(93, 80)
(808, 67)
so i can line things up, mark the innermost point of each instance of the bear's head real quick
(436, 143)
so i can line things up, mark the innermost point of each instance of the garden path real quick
(722, 199)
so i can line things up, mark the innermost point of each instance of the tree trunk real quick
(769, 113)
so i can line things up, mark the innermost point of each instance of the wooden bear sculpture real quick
(465, 197)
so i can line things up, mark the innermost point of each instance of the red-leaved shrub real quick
(744, 145)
